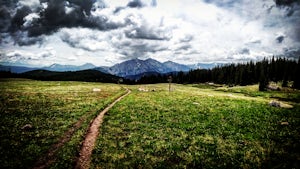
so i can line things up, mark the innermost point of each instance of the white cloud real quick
(30, 18)
(184, 31)
(30, 3)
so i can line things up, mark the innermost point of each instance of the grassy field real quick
(197, 126)
(194, 126)
(49, 109)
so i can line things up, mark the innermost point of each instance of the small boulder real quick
(143, 89)
(96, 90)
(274, 104)
(27, 127)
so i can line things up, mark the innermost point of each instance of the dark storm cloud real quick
(290, 6)
(59, 14)
(286, 2)
(55, 16)
(5, 19)
(18, 19)
(8, 3)
(84, 5)
(132, 4)
(135, 4)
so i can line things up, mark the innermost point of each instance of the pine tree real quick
(297, 79)
(263, 80)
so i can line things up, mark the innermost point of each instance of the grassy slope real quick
(51, 108)
(199, 127)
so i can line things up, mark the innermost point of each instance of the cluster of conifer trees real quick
(275, 69)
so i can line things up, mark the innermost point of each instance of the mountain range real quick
(137, 66)
(132, 69)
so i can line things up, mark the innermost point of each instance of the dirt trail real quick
(83, 162)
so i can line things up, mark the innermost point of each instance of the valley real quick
(195, 125)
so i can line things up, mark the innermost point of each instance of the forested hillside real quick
(275, 69)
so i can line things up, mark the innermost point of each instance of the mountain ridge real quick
(129, 68)
(134, 67)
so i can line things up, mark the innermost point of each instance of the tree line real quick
(274, 69)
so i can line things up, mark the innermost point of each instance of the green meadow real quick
(199, 126)
(193, 126)
(51, 108)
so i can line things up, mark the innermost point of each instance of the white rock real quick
(96, 90)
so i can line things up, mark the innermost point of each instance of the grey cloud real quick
(9, 3)
(297, 31)
(135, 4)
(290, 6)
(280, 39)
(118, 9)
(254, 42)
(141, 33)
(153, 3)
(137, 48)
(286, 2)
(187, 38)
(22, 39)
(149, 33)
(84, 6)
(55, 16)
(223, 3)
(63, 13)
(65, 37)
(77, 42)
(18, 19)
(4, 19)
(292, 53)
(244, 51)
(184, 47)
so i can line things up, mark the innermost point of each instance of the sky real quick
(39, 33)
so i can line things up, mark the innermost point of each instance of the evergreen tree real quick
(263, 82)
(297, 79)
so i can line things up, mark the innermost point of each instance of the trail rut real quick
(83, 162)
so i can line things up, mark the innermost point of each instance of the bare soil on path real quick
(84, 159)
(46, 160)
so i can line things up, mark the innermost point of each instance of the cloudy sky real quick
(106, 32)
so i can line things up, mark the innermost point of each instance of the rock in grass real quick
(96, 90)
(280, 104)
(284, 123)
(274, 103)
(27, 127)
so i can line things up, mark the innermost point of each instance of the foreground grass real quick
(51, 108)
(193, 127)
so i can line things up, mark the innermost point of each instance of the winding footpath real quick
(83, 162)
